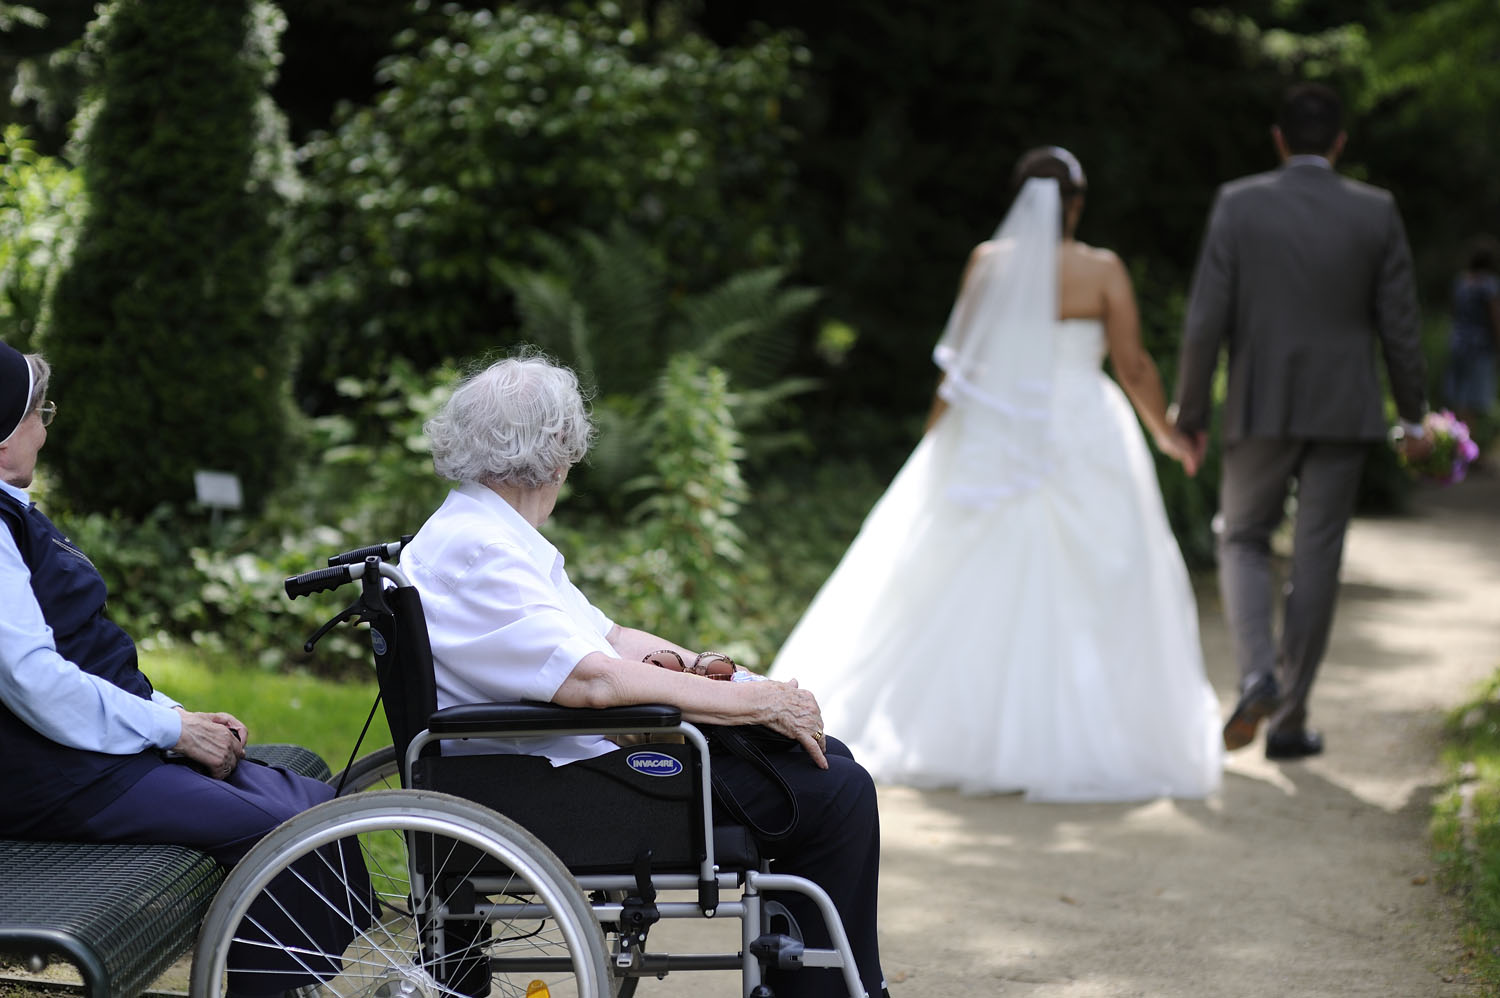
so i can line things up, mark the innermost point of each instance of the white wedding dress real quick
(1044, 640)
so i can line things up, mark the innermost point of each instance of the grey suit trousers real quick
(1258, 476)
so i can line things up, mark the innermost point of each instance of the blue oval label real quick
(378, 641)
(654, 763)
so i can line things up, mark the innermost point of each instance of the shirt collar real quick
(20, 495)
(538, 547)
(1309, 159)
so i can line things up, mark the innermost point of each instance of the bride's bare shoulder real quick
(1096, 256)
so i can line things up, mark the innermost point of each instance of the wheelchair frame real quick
(585, 907)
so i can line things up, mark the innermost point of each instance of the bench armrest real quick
(527, 715)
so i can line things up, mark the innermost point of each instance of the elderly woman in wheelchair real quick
(509, 697)
(506, 623)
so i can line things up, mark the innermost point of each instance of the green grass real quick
(321, 714)
(1466, 828)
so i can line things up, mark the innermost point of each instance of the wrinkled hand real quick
(215, 741)
(794, 712)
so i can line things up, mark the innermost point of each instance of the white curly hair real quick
(522, 421)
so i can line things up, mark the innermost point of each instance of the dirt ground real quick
(1311, 878)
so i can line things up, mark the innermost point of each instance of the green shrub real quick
(672, 571)
(605, 307)
(161, 328)
(710, 561)
(40, 206)
(1465, 827)
(518, 122)
(175, 576)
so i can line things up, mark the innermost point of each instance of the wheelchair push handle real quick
(320, 580)
(384, 552)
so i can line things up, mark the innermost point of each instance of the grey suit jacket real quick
(1302, 273)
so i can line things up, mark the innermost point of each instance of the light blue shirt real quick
(56, 697)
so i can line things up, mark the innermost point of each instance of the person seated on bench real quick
(506, 623)
(94, 753)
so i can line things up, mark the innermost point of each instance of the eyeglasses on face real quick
(47, 411)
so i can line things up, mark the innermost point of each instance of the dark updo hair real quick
(1310, 119)
(1483, 255)
(1055, 162)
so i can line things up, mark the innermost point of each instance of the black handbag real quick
(750, 742)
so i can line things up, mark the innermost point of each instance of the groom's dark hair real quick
(1311, 118)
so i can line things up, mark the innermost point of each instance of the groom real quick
(1302, 274)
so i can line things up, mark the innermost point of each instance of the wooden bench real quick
(121, 914)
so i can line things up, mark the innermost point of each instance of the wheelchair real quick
(496, 874)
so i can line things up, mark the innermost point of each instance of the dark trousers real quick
(1257, 478)
(835, 844)
(176, 804)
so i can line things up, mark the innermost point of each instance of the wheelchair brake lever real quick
(350, 611)
(645, 889)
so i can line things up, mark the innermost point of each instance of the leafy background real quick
(741, 221)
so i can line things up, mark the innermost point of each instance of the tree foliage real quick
(476, 191)
(606, 308)
(167, 351)
(40, 206)
(515, 123)
(1430, 86)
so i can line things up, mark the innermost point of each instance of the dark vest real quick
(47, 787)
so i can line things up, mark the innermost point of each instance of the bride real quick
(1015, 614)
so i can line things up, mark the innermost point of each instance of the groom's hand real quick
(1183, 448)
(1415, 448)
(1197, 449)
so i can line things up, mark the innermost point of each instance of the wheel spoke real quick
(412, 912)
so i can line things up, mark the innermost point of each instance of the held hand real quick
(1199, 443)
(235, 725)
(1194, 445)
(1414, 448)
(794, 712)
(215, 741)
(1174, 445)
(1186, 449)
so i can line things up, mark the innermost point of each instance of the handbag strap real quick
(733, 741)
(737, 744)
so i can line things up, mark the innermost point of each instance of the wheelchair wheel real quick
(401, 894)
(377, 770)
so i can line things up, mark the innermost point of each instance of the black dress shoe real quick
(1258, 698)
(1297, 745)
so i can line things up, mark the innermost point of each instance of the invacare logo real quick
(653, 763)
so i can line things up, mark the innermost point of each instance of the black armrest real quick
(527, 715)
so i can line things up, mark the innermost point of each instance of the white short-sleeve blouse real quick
(504, 620)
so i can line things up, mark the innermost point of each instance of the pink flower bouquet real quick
(1453, 450)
